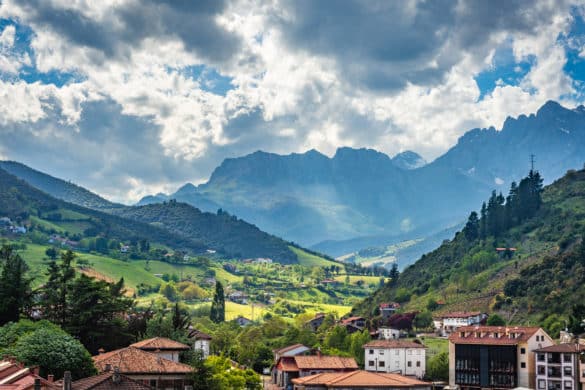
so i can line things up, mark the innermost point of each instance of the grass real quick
(311, 260)
(435, 345)
(354, 278)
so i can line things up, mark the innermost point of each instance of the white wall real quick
(396, 360)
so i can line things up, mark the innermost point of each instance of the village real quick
(479, 357)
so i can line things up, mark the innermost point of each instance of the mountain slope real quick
(543, 275)
(58, 188)
(361, 193)
(178, 225)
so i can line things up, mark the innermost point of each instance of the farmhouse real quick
(446, 323)
(290, 367)
(395, 356)
(163, 347)
(388, 308)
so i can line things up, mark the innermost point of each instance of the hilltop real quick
(360, 198)
(538, 273)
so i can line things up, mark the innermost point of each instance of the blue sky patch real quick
(504, 70)
(209, 79)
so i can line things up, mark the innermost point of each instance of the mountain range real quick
(361, 197)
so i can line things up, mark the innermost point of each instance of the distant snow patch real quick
(498, 181)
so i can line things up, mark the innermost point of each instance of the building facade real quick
(494, 357)
(559, 367)
(396, 356)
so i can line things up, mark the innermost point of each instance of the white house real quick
(162, 347)
(395, 356)
(447, 323)
(386, 333)
(559, 367)
(201, 342)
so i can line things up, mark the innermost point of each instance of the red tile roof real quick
(359, 378)
(287, 363)
(351, 319)
(132, 360)
(325, 362)
(563, 348)
(390, 305)
(393, 344)
(160, 343)
(105, 381)
(507, 335)
(198, 335)
(15, 376)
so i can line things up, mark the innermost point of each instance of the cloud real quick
(159, 93)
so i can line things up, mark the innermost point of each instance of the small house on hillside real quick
(201, 341)
(243, 321)
(163, 347)
(238, 297)
(315, 322)
(447, 323)
(388, 308)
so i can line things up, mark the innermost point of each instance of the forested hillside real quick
(522, 256)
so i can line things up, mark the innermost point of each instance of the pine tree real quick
(15, 292)
(483, 233)
(471, 229)
(217, 313)
(56, 290)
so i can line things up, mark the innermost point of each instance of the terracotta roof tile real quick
(104, 381)
(325, 362)
(459, 314)
(393, 344)
(132, 360)
(359, 378)
(563, 348)
(287, 364)
(14, 375)
(161, 343)
(485, 335)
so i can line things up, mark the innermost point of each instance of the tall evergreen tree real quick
(56, 289)
(471, 229)
(217, 313)
(483, 233)
(15, 292)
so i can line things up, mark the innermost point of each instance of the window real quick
(567, 371)
(541, 370)
(541, 357)
(371, 351)
(381, 352)
(522, 351)
(541, 384)
(568, 385)
(409, 364)
(523, 365)
(381, 364)
(418, 364)
(371, 363)
(567, 358)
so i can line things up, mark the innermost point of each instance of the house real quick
(291, 350)
(358, 322)
(124, 249)
(238, 297)
(163, 347)
(493, 357)
(388, 308)
(560, 367)
(290, 367)
(315, 322)
(395, 356)
(105, 381)
(387, 333)
(201, 342)
(447, 323)
(243, 321)
(145, 367)
(263, 260)
(358, 380)
(15, 376)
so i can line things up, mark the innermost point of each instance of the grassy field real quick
(435, 345)
(354, 278)
(312, 260)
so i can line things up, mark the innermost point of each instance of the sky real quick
(129, 98)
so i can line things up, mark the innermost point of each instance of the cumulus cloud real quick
(141, 114)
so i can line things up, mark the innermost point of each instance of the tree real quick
(394, 274)
(56, 290)
(52, 253)
(15, 292)
(471, 229)
(217, 313)
(424, 319)
(180, 318)
(438, 367)
(495, 320)
(53, 350)
(356, 345)
(337, 338)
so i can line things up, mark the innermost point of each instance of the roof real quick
(160, 343)
(282, 350)
(105, 381)
(389, 305)
(459, 314)
(198, 335)
(359, 378)
(325, 362)
(287, 363)
(132, 360)
(16, 376)
(563, 348)
(388, 344)
(485, 335)
(351, 319)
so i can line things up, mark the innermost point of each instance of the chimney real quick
(116, 375)
(51, 378)
(67, 380)
(37, 385)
